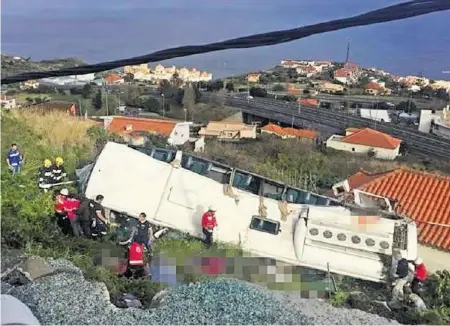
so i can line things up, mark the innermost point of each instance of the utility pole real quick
(163, 107)
(348, 50)
(79, 107)
(292, 125)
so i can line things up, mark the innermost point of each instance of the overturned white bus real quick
(265, 217)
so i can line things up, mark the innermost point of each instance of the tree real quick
(258, 92)
(176, 81)
(406, 106)
(128, 78)
(215, 85)
(230, 87)
(189, 99)
(151, 104)
(263, 80)
(29, 100)
(132, 96)
(218, 99)
(289, 98)
(97, 100)
(86, 91)
(278, 88)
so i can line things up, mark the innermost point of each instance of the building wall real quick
(374, 114)
(246, 133)
(180, 133)
(342, 79)
(381, 153)
(9, 104)
(434, 259)
(441, 129)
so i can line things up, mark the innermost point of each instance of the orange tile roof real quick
(373, 85)
(162, 127)
(111, 78)
(301, 133)
(309, 101)
(373, 138)
(423, 197)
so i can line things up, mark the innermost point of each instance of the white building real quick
(364, 141)
(8, 103)
(374, 114)
(436, 122)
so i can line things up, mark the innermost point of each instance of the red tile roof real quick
(111, 78)
(309, 101)
(301, 133)
(307, 69)
(373, 85)
(423, 197)
(372, 138)
(162, 127)
(342, 72)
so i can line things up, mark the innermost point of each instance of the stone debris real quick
(65, 297)
(34, 268)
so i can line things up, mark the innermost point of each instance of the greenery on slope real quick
(27, 213)
(11, 66)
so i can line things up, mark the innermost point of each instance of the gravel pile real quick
(67, 298)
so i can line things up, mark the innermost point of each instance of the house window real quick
(353, 149)
(247, 182)
(272, 190)
(265, 225)
(340, 190)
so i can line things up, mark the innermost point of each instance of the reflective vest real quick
(136, 254)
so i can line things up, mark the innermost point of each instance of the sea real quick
(97, 31)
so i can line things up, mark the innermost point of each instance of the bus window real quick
(218, 173)
(246, 182)
(272, 190)
(162, 155)
(295, 196)
(264, 225)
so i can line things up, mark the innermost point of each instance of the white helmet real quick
(419, 261)
(212, 208)
(64, 192)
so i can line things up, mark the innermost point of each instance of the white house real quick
(8, 103)
(363, 141)
(436, 122)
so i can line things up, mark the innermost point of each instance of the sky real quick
(100, 30)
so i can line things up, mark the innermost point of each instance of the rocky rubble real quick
(65, 297)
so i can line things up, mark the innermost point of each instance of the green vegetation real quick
(11, 66)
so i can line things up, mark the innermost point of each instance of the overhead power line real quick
(391, 13)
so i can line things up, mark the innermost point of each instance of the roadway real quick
(368, 101)
(426, 144)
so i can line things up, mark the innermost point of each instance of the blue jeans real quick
(15, 169)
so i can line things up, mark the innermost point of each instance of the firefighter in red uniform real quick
(420, 275)
(61, 210)
(209, 222)
(136, 263)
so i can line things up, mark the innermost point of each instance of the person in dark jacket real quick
(85, 215)
(99, 221)
(45, 176)
(59, 173)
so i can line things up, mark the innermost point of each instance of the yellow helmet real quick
(47, 163)
(59, 160)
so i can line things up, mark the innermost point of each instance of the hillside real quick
(12, 66)
(28, 227)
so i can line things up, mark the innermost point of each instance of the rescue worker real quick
(135, 263)
(59, 173)
(60, 210)
(142, 233)
(14, 159)
(46, 175)
(420, 275)
(99, 221)
(85, 216)
(209, 222)
(72, 205)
